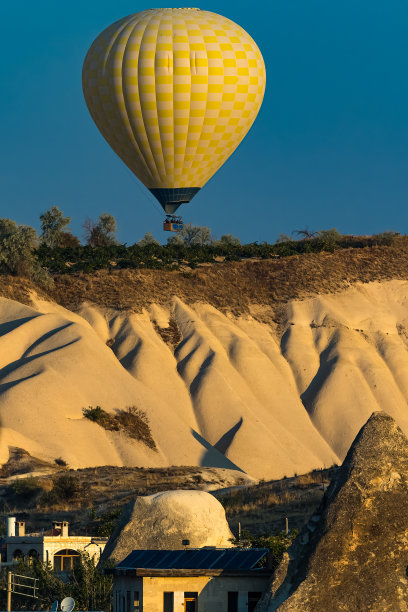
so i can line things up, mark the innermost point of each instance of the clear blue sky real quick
(329, 147)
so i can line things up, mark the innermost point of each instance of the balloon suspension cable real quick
(152, 200)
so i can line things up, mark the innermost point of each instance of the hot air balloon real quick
(174, 92)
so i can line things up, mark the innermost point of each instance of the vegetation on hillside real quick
(57, 251)
(149, 254)
(276, 543)
(132, 422)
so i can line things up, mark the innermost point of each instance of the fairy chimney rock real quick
(353, 554)
(169, 520)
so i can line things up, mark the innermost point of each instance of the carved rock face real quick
(164, 520)
(353, 554)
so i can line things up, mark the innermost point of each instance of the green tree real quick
(230, 240)
(53, 223)
(147, 239)
(283, 238)
(277, 544)
(102, 233)
(175, 239)
(329, 239)
(87, 584)
(192, 235)
(92, 589)
(17, 252)
(69, 240)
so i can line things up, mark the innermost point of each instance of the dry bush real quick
(311, 478)
(171, 334)
(132, 421)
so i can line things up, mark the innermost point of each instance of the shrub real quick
(25, 486)
(132, 421)
(88, 585)
(328, 239)
(385, 238)
(65, 488)
(283, 238)
(60, 461)
(68, 241)
(229, 240)
(106, 522)
(147, 239)
(17, 257)
(277, 544)
(97, 415)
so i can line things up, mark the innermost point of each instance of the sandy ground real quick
(233, 392)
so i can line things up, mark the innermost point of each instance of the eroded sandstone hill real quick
(245, 366)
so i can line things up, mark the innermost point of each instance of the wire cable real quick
(150, 200)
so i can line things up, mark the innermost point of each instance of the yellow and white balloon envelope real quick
(174, 92)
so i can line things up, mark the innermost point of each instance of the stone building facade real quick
(190, 580)
(55, 546)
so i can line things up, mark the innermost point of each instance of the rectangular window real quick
(136, 604)
(190, 601)
(168, 602)
(233, 601)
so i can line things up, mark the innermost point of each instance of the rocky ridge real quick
(352, 555)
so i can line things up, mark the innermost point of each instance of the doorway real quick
(190, 602)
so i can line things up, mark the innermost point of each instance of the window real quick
(190, 602)
(253, 599)
(33, 556)
(233, 601)
(136, 601)
(65, 560)
(168, 602)
(18, 554)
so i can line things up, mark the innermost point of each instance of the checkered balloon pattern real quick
(174, 91)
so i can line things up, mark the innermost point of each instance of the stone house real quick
(190, 580)
(54, 546)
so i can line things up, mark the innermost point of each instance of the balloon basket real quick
(173, 224)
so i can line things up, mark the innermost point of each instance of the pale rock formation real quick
(353, 553)
(165, 520)
(222, 391)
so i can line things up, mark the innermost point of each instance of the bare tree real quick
(305, 234)
(101, 233)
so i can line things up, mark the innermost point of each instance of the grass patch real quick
(132, 422)
(268, 504)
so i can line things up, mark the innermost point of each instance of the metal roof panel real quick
(194, 558)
